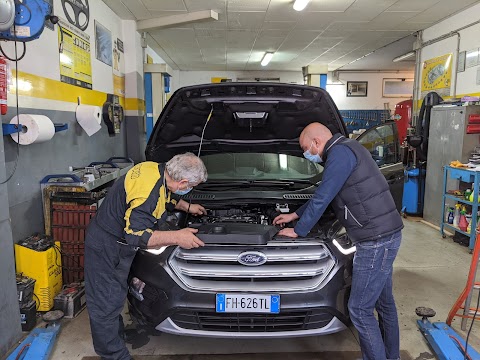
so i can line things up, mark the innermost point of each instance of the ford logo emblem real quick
(252, 258)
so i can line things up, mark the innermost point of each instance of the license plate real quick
(248, 303)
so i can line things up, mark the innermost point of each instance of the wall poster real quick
(75, 56)
(103, 44)
(437, 75)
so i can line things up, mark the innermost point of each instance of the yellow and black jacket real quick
(135, 203)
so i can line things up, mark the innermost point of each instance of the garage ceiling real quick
(333, 32)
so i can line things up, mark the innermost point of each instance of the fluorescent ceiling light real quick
(266, 58)
(404, 56)
(299, 5)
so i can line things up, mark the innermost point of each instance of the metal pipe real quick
(455, 73)
(448, 35)
(416, 79)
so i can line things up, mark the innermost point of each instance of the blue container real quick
(413, 191)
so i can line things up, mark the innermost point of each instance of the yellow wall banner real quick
(75, 57)
(437, 75)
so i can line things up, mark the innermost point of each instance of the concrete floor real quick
(429, 271)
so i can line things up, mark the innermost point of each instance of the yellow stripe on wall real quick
(45, 88)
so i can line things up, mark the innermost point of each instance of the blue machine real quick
(38, 345)
(443, 340)
(413, 191)
(29, 20)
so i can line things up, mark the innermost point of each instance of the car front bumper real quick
(170, 307)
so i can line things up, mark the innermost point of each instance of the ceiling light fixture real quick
(299, 5)
(404, 56)
(266, 58)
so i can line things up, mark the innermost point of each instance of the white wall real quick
(374, 99)
(185, 78)
(469, 39)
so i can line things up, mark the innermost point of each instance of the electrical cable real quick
(60, 46)
(37, 303)
(471, 327)
(460, 346)
(18, 113)
(16, 58)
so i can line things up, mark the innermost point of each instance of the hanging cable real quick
(18, 113)
(16, 58)
(198, 154)
(203, 131)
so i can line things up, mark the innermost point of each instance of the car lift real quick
(445, 342)
(38, 345)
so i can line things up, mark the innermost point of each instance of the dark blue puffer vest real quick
(364, 205)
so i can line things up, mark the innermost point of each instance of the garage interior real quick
(83, 84)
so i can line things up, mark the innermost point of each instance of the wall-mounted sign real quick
(77, 13)
(437, 75)
(103, 44)
(120, 45)
(75, 56)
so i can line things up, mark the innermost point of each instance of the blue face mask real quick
(311, 157)
(183, 192)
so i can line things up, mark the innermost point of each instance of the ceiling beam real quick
(174, 20)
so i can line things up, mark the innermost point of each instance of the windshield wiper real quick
(301, 181)
(263, 183)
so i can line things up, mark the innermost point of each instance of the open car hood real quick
(245, 117)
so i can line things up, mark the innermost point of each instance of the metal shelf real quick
(456, 229)
(461, 200)
(465, 176)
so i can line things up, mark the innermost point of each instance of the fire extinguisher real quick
(3, 85)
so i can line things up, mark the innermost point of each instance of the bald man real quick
(360, 196)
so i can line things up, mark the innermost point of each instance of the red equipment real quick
(403, 117)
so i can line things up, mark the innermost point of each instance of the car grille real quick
(239, 322)
(289, 267)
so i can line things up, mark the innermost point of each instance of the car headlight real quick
(157, 251)
(342, 242)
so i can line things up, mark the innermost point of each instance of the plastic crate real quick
(69, 224)
(46, 268)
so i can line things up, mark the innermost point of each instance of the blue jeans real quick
(372, 289)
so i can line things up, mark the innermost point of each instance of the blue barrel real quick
(413, 191)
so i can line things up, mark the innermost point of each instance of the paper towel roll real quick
(89, 118)
(36, 129)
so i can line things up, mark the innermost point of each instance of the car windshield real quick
(260, 166)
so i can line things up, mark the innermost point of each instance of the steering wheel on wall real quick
(77, 12)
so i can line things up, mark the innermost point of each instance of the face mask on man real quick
(183, 192)
(311, 157)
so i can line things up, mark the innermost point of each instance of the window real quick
(259, 166)
(382, 143)
(398, 88)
